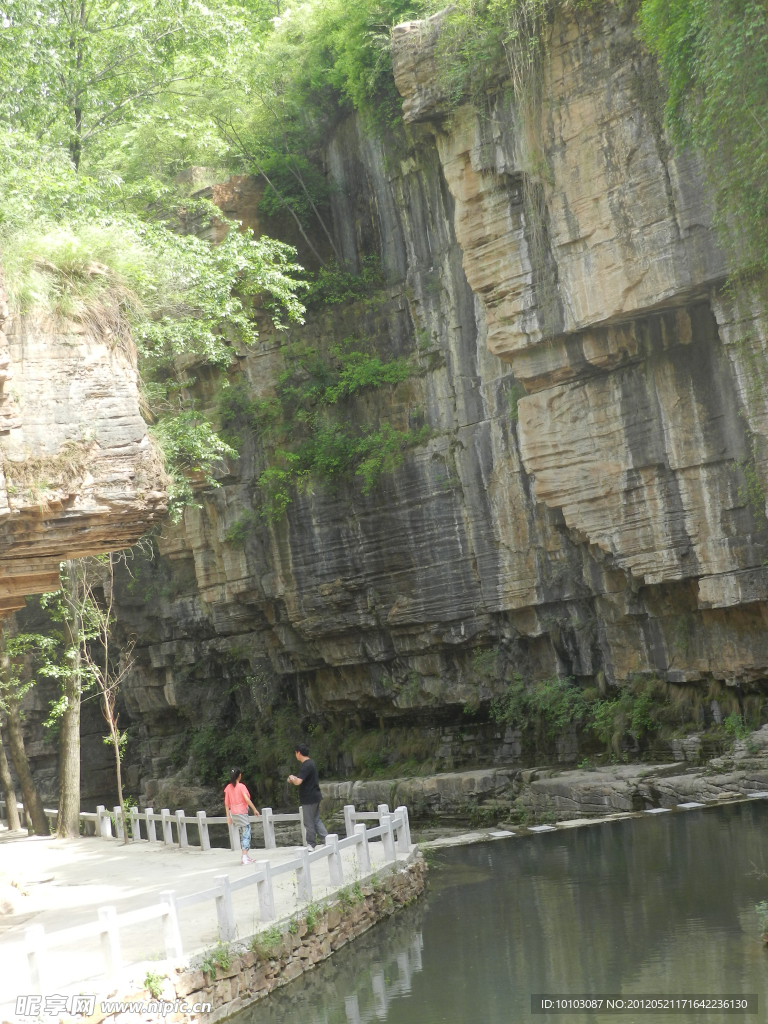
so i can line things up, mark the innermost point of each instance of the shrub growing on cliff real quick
(714, 57)
(305, 430)
(548, 705)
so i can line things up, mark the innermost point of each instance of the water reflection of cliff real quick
(653, 905)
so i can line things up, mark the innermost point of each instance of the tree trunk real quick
(69, 762)
(69, 733)
(119, 771)
(29, 793)
(9, 793)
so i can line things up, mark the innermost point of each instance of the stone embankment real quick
(495, 793)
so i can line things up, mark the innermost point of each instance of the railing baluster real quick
(149, 816)
(335, 868)
(304, 878)
(104, 822)
(361, 851)
(303, 827)
(181, 827)
(234, 837)
(265, 890)
(34, 941)
(110, 943)
(171, 930)
(202, 827)
(167, 826)
(135, 825)
(119, 823)
(270, 842)
(224, 910)
(349, 818)
(404, 832)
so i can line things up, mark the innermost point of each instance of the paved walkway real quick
(64, 882)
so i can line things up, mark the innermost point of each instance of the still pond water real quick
(662, 904)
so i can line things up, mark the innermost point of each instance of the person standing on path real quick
(309, 796)
(237, 800)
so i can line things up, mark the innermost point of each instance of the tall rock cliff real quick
(589, 500)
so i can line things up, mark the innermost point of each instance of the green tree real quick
(16, 651)
(72, 70)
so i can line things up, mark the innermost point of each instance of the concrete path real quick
(62, 883)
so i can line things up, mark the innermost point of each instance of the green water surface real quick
(661, 904)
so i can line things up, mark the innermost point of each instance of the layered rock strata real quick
(78, 473)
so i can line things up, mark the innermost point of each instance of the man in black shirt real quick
(309, 795)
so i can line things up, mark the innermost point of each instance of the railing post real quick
(110, 943)
(304, 878)
(388, 838)
(181, 827)
(404, 832)
(382, 809)
(167, 826)
(270, 843)
(119, 823)
(349, 818)
(34, 942)
(266, 894)
(361, 851)
(135, 825)
(104, 822)
(171, 930)
(335, 869)
(234, 837)
(302, 826)
(224, 910)
(149, 817)
(202, 828)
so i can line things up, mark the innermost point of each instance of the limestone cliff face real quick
(78, 474)
(591, 501)
(644, 421)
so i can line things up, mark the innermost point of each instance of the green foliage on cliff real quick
(333, 285)
(306, 432)
(548, 704)
(548, 707)
(714, 57)
(105, 256)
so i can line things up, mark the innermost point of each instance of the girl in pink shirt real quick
(237, 800)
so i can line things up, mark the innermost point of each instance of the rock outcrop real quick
(590, 501)
(78, 473)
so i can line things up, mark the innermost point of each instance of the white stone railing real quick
(101, 821)
(393, 830)
(353, 817)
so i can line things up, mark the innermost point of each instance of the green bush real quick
(548, 704)
(714, 58)
(305, 432)
(333, 285)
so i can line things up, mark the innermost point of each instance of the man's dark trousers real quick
(316, 830)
